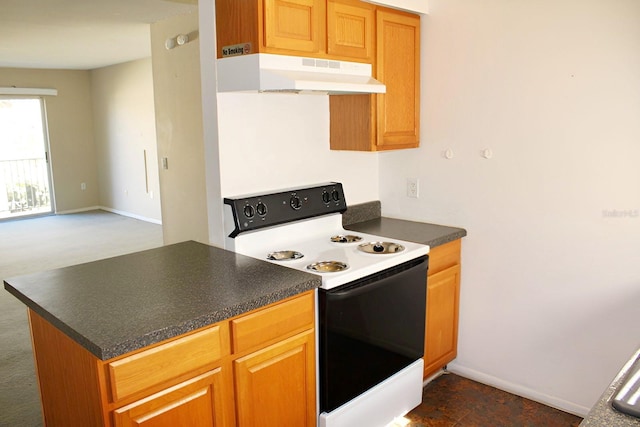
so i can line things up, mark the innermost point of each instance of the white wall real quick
(274, 141)
(208, 78)
(550, 280)
(124, 128)
(178, 107)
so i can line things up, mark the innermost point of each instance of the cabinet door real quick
(443, 294)
(296, 25)
(350, 29)
(275, 387)
(398, 67)
(197, 402)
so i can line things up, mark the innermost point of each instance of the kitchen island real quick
(170, 332)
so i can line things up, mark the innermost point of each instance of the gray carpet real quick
(45, 243)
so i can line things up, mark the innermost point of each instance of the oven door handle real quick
(376, 280)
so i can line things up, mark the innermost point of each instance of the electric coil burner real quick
(349, 238)
(328, 266)
(371, 304)
(284, 255)
(381, 247)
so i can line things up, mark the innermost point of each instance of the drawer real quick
(167, 361)
(275, 322)
(444, 256)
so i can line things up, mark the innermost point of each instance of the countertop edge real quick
(170, 332)
(367, 218)
(156, 337)
(162, 331)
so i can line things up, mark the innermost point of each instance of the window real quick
(25, 187)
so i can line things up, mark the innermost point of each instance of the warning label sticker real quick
(236, 49)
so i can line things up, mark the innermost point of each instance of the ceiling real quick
(80, 34)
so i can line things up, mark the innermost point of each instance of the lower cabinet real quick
(275, 387)
(443, 300)
(196, 402)
(257, 369)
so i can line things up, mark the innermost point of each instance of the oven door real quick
(369, 330)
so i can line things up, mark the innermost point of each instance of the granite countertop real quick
(602, 414)
(117, 305)
(366, 218)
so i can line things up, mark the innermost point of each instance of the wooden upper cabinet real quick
(350, 28)
(391, 120)
(294, 25)
(288, 27)
(398, 67)
(331, 29)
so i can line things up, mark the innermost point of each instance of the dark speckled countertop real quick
(117, 305)
(602, 414)
(366, 218)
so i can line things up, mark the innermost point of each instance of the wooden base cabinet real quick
(275, 386)
(197, 402)
(443, 299)
(257, 369)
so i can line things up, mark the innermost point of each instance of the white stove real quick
(324, 240)
(371, 301)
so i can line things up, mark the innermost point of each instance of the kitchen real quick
(545, 274)
(518, 80)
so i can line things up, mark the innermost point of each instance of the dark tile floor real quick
(451, 400)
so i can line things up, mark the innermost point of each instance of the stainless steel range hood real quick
(262, 72)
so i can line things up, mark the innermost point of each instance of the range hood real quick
(262, 72)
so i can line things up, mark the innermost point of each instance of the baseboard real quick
(72, 211)
(519, 390)
(115, 211)
(131, 215)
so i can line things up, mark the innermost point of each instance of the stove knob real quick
(295, 202)
(335, 195)
(248, 211)
(261, 208)
(326, 197)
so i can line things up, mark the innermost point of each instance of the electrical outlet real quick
(413, 187)
(83, 186)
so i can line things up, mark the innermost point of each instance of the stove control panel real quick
(255, 211)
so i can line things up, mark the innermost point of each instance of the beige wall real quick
(72, 149)
(176, 79)
(124, 129)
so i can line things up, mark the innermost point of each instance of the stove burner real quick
(349, 238)
(327, 266)
(284, 255)
(380, 247)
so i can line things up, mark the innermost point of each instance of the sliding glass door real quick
(25, 184)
